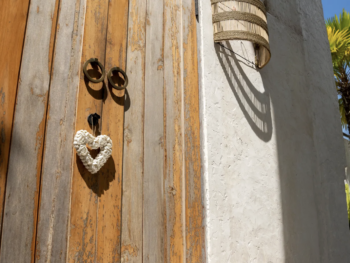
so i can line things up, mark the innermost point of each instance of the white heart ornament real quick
(103, 142)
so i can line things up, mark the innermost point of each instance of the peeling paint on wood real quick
(194, 210)
(155, 165)
(153, 180)
(170, 165)
(85, 191)
(23, 183)
(52, 235)
(133, 146)
(110, 179)
(173, 101)
(13, 14)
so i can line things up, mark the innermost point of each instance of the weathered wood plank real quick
(23, 183)
(133, 135)
(110, 179)
(174, 188)
(84, 196)
(194, 209)
(153, 182)
(13, 17)
(53, 218)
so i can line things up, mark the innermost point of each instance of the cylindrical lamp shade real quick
(242, 20)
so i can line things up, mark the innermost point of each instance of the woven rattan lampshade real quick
(242, 20)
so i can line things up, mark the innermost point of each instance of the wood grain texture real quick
(23, 183)
(172, 207)
(173, 101)
(133, 135)
(85, 190)
(153, 181)
(157, 215)
(110, 179)
(56, 176)
(194, 210)
(13, 17)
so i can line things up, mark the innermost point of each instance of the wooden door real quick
(145, 203)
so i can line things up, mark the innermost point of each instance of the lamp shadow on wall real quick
(254, 104)
(283, 81)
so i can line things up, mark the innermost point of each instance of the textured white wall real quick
(272, 149)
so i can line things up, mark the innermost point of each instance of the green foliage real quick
(342, 113)
(348, 200)
(343, 22)
(338, 29)
(339, 42)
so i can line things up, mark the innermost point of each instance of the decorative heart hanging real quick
(103, 142)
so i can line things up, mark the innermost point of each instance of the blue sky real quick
(335, 7)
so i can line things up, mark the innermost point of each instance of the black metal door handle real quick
(90, 61)
(119, 70)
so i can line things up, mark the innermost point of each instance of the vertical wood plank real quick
(13, 17)
(84, 196)
(23, 183)
(110, 179)
(133, 135)
(53, 218)
(174, 130)
(153, 182)
(194, 209)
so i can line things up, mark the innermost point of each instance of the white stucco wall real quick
(272, 147)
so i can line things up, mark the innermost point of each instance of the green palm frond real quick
(339, 42)
(338, 30)
(342, 113)
(347, 191)
(341, 23)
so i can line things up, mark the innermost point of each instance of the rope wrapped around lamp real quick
(243, 20)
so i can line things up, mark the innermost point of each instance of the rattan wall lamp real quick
(243, 20)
